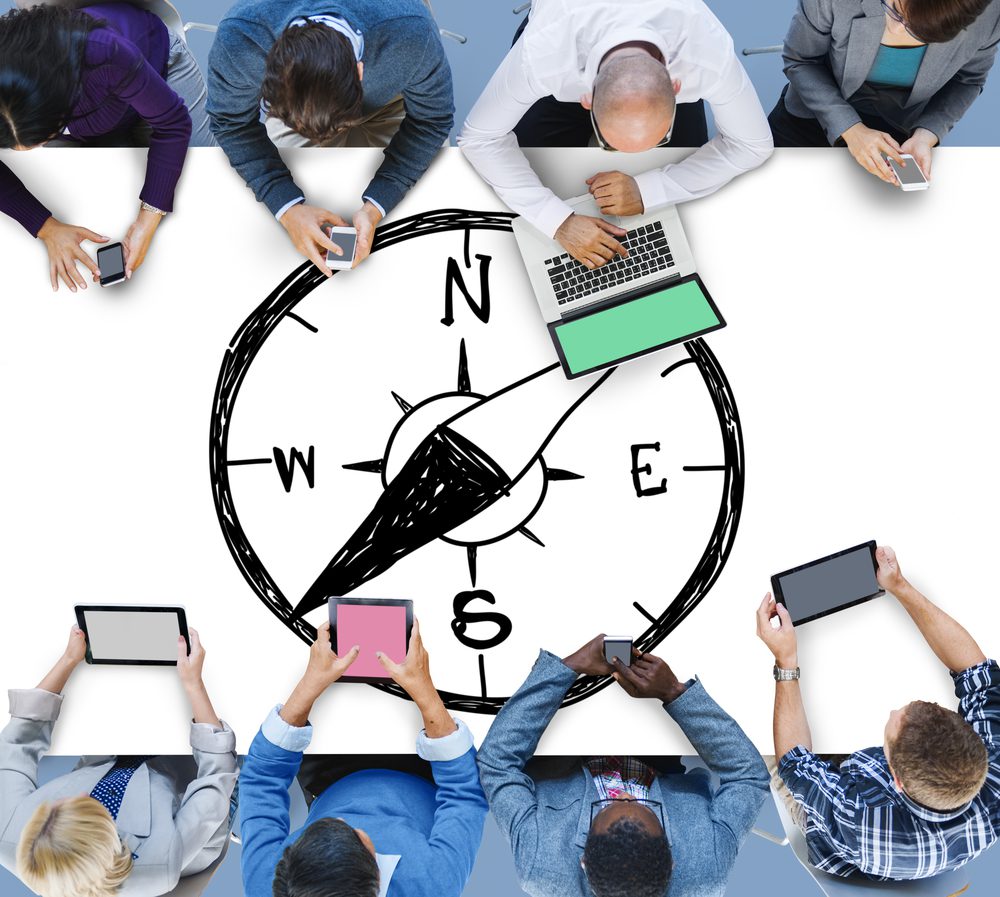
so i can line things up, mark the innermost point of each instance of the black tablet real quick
(376, 624)
(830, 584)
(140, 634)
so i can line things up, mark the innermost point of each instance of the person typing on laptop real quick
(620, 72)
(925, 802)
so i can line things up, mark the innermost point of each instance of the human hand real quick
(413, 674)
(616, 193)
(76, 647)
(590, 660)
(868, 148)
(889, 576)
(648, 677)
(590, 241)
(781, 642)
(365, 221)
(138, 238)
(189, 666)
(306, 227)
(62, 241)
(919, 145)
(325, 667)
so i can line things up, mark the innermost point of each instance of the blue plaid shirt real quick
(856, 820)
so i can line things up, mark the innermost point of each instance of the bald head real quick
(633, 101)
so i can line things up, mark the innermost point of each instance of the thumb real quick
(786, 617)
(182, 654)
(351, 656)
(387, 662)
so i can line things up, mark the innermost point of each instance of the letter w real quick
(286, 466)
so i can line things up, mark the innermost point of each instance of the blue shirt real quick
(434, 829)
(857, 820)
(896, 66)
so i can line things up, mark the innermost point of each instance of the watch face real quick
(404, 430)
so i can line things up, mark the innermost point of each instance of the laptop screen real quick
(616, 333)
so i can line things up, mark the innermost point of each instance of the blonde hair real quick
(72, 848)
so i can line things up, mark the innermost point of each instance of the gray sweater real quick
(402, 56)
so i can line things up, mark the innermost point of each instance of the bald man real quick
(625, 75)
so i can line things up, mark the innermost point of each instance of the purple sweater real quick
(125, 63)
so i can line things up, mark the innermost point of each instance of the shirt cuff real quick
(206, 737)
(287, 206)
(652, 189)
(449, 747)
(285, 736)
(976, 678)
(34, 704)
(552, 214)
(378, 205)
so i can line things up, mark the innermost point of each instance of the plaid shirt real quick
(615, 776)
(855, 818)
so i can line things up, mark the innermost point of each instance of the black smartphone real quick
(619, 646)
(111, 261)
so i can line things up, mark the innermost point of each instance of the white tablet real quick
(141, 634)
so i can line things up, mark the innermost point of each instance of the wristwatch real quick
(781, 675)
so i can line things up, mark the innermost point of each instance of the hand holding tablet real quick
(133, 634)
(374, 625)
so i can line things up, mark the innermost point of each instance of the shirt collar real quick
(623, 35)
(386, 866)
(929, 815)
(356, 38)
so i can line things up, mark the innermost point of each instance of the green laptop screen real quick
(664, 317)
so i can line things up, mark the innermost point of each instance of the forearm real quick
(791, 728)
(298, 707)
(202, 710)
(948, 639)
(437, 721)
(55, 680)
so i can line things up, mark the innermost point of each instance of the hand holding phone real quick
(620, 647)
(111, 261)
(909, 177)
(347, 239)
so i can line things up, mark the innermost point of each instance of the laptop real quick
(627, 308)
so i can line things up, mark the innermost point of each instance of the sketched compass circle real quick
(450, 473)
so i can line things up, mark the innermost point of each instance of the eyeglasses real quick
(654, 807)
(603, 144)
(897, 16)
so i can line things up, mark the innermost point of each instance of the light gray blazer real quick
(175, 813)
(831, 46)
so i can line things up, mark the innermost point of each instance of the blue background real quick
(489, 26)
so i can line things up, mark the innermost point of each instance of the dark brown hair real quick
(937, 756)
(311, 81)
(937, 21)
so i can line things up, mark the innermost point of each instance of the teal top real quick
(896, 66)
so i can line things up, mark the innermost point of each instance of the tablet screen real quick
(132, 635)
(829, 584)
(374, 627)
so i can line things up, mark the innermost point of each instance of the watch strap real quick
(781, 675)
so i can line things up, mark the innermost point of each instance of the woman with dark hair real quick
(883, 77)
(102, 75)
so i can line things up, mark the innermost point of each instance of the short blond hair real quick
(72, 848)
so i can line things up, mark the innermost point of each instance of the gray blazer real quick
(544, 809)
(175, 813)
(831, 46)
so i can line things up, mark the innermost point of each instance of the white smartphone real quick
(910, 176)
(347, 239)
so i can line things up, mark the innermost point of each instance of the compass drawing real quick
(404, 430)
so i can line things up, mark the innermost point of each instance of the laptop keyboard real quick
(648, 253)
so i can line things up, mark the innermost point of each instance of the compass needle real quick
(457, 471)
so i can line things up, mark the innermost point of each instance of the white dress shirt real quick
(559, 53)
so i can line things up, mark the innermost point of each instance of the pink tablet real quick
(374, 624)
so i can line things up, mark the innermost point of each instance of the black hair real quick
(311, 81)
(328, 860)
(627, 861)
(41, 70)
